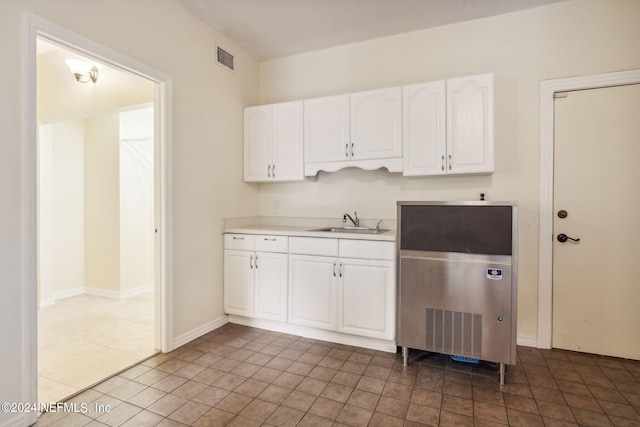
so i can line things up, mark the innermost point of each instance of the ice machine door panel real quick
(464, 309)
(457, 228)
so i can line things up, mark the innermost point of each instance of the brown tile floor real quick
(241, 376)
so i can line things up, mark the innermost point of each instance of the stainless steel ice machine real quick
(457, 279)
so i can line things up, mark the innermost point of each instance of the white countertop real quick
(307, 231)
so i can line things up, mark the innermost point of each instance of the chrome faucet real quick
(356, 222)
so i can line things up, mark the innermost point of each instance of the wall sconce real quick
(82, 70)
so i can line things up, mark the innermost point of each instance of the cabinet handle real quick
(340, 270)
(270, 240)
(269, 171)
(346, 150)
(442, 162)
(352, 144)
(273, 171)
(238, 238)
(256, 262)
(449, 161)
(251, 262)
(334, 269)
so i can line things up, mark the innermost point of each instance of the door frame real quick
(548, 89)
(34, 27)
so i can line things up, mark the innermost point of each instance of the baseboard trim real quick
(87, 290)
(119, 295)
(20, 420)
(136, 291)
(198, 332)
(319, 334)
(527, 341)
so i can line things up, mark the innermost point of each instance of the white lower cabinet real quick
(255, 282)
(342, 285)
(238, 283)
(271, 286)
(345, 294)
(312, 291)
(366, 298)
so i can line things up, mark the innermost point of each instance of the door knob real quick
(563, 238)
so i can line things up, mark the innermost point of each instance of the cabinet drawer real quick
(313, 246)
(241, 242)
(367, 249)
(271, 243)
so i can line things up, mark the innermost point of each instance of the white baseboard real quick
(116, 294)
(87, 290)
(61, 295)
(68, 293)
(46, 302)
(198, 332)
(20, 420)
(97, 292)
(318, 334)
(527, 341)
(136, 291)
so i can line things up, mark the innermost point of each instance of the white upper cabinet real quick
(326, 129)
(448, 126)
(361, 129)
(376, 127)
(273, 142)
(470, 124)
(435, 128)
(258, 141)
(424, 127)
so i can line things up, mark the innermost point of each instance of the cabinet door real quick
(257, 143)
(470, 124)
(271, 286)
(366, 298)
(326, 129)
(312, 291)
(239, 282)
(376, 127)
(288, 163)
(424, 125)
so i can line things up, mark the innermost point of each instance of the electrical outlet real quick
(275, 207)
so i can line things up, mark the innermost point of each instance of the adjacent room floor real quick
(84, 339)
(243, 376)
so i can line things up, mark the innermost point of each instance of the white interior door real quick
(596, 290)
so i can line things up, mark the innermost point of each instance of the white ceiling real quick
(270, 29)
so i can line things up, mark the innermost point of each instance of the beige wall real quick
(102, 202)
(207, 152)
(136, 200)
(61, 209)
(61, 97)
(572, 38)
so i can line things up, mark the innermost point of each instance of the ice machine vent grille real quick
(225, 59)
(454, 332)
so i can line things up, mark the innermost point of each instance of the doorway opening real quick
(34, 29)
(96, 305)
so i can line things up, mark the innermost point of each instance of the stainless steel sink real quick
(361, 230)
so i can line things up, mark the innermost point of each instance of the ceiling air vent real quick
(225, 59)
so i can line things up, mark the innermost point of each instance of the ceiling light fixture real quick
(83, 71)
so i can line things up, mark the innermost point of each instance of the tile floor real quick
(242, 376)
(84, 339)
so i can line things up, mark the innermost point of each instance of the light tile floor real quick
(84, 339)
(242, 376)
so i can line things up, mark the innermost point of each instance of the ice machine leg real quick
(405, 355)
(502, 372)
